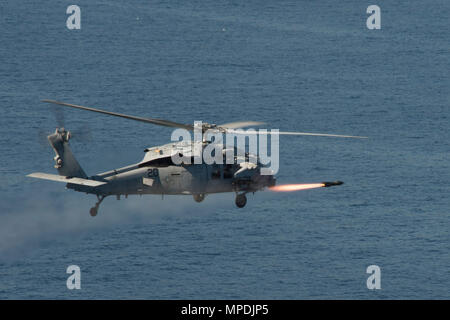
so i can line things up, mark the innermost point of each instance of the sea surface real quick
(308, 66)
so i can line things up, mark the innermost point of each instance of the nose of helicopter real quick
(272, 181)
(267, 181)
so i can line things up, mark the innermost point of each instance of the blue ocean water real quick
(298, 65)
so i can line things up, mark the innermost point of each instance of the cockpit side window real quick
(228, 171)
(215, 174)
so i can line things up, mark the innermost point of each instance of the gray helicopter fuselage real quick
(157, 174)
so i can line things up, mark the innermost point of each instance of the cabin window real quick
(159, 162)
(215, 174)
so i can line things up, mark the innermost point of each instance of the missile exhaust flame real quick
(296, 187)
(304, 186)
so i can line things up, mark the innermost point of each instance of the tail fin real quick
(66, 163)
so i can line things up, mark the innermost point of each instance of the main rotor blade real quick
(240, 124)
(296, 134)
(159, 122)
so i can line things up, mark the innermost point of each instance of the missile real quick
(331, 184)
(303, 186)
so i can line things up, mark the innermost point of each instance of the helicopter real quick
(158, 173)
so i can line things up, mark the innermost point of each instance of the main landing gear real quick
(199, 197)
(241, 200)
(94, 209)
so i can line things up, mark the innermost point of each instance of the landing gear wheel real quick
(93, 211)
(199, 197)
(241, 200)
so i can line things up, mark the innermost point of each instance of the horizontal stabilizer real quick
(54, 177)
